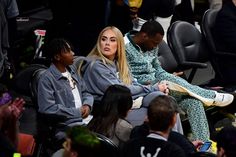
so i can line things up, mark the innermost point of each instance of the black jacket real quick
(140, 147)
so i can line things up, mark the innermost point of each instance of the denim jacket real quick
(99, 76)
(55, 96)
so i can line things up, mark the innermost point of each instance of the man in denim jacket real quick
(61, 92)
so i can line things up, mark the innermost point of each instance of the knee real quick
(191, 105)
(148, 98)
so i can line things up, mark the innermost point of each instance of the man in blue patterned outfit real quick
(142, 55)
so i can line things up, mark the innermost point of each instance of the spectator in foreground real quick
(110, 121)
(80, 142)
(162, 113)
(226, 142)
(10, 111)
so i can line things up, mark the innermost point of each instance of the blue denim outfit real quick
(55, 95)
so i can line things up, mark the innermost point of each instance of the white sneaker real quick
(223, 99)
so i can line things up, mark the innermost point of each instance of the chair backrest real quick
(208, 21)
(78, 60)
(34, 83)
(166, 58)
(223, 62)
(107, 148)
(22, 79)
(186, 43)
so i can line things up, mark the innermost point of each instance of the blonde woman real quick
(107, 65)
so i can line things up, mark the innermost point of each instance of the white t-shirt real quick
(74, 89)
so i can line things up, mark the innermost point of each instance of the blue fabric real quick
(55, 95)
(99, 76)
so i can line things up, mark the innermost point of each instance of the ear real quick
(146, 119)
(57, 57)
(144, 36)
(174, 119)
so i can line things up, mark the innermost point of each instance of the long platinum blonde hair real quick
(123, 68)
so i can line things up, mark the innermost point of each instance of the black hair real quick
(226, 138)
(152, 27)
(115, 104)
(57, 46)
(161, 112)
(227, 1)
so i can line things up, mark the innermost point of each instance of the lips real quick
(106, 49)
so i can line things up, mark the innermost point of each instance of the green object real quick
(16, 155)
(82, 136)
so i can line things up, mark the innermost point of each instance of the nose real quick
(72, 52)
(107, 42)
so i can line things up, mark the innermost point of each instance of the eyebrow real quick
(108, 37)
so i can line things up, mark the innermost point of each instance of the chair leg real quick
(190, 78)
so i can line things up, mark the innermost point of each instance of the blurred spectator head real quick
(80, 142)
(162, 113)
(226, 142)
